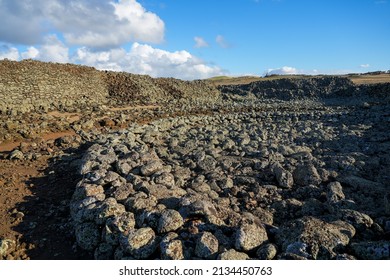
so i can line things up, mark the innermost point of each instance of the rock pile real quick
(130, 89)
(293, 184)
(319, 88)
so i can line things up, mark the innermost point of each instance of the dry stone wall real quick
(130, 89)
(36, 86)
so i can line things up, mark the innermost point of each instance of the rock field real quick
(287, 169)
(285, 180)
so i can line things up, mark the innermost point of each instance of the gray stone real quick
(318, 239)
(122, 192)
(284, 177)
(250, 236)
(232, 255)
(87, 190)
(151, 167)
(88, 236)
(200, 208)
(140, 201)
(166, 179)
(267, 252)
(206, 245)
(141, 243)
(171, 247)
(359, 220)
(16, 154)
(122, 223)
(306, 174)
(108, 208)
(170, 220)
(207, 164)
(334, 192)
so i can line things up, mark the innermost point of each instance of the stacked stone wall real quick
(36, 86)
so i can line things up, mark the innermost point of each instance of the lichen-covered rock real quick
(108, 208)
(232, 255)
(250, 236)
(171, 247)
(306, 174)
(206, 245)
(85, 190)
(267, 251)
(16, 154)
(192, 206)
(88, 236)
(166, 179)
(140, 243)
(151, 167)
(6, 246)
(122, 223)
(140, 201)
(207, 163)
(359, 220)
(318, 239)
(170, 220)
(284, 177)
(334, 192)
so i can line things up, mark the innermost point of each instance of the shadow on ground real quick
(46, 223)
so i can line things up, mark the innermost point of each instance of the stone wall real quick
(130, 89)
(313, 88)
(36, 86)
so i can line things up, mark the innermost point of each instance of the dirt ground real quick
(34, 205)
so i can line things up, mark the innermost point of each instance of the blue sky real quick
(197, 39)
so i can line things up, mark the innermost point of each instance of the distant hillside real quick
(293, 88)
(367, 78)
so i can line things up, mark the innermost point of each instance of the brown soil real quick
(34, 207)
(11, 145)
(71, 117)
(117, 109)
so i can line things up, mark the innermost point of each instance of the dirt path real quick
(9, 146)
(117, 109)
(72, 117)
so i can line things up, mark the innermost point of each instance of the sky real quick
(195, 39)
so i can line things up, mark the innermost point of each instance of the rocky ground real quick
(249, 176)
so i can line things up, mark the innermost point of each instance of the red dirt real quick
(34, 205)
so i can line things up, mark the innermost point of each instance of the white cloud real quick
(200, 42)
(92, 32)
(364, 65)
(21, 22)
(110, 25)
(221, 41)
(285, 70)
(53, 50)
(31, 53)
(7, 52)
(144, 59)
(139, 59)
(91, 23)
